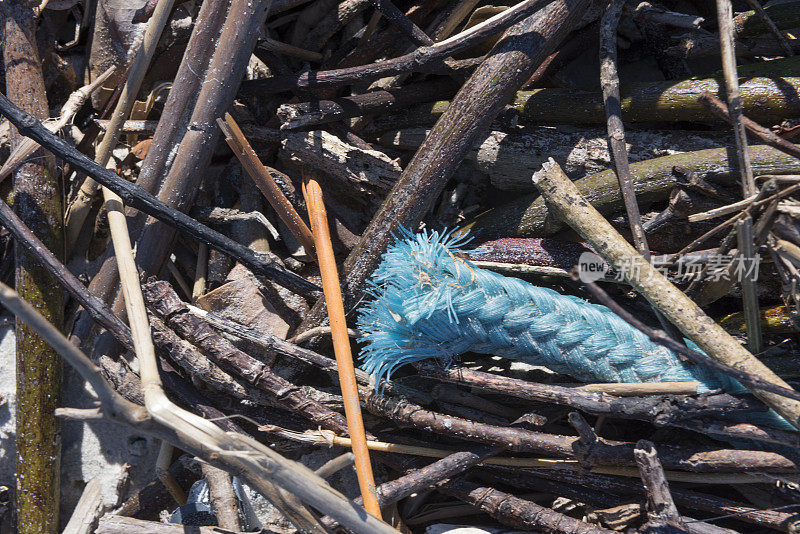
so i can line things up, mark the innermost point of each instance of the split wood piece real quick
(88, 510)
(341, 341)
(316, 112)
(660, 507)
(511, 62)
(73, 104)
(36, 195)
(364, 170)
(222, 497)
(529, 216)
(402, 22)
(134, 195)
(201, 272)
(422, 59)
(516, 512)
(261, 176)
(244, 300)
(78, 210)
(569, 205)
(426, 477)
(765, 135)
(604, 452)
(164, 420)
(660, 411)
(510, 159)
(163, 301)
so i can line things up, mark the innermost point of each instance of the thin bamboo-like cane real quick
(249, 160)
(341, 342)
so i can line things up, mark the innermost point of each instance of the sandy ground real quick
(121, 459)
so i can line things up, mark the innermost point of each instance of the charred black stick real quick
(136, 197)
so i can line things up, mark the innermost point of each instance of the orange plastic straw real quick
(341, 342)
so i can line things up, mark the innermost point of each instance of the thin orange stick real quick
(341, 342)
(260, 175)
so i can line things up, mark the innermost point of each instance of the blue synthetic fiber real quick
(427, 303)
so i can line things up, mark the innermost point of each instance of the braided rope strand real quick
(427, 303)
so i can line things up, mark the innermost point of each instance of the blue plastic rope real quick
(427, 303)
